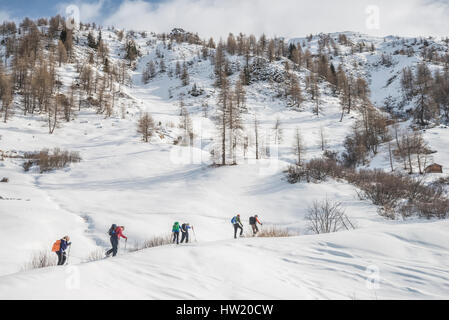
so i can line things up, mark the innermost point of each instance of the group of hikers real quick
(116, 232)
(237, 223)
(184, 229)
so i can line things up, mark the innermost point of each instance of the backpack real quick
(184, 227)
(252, 220)
(111, 231)
(176, 227)
(234, 220)
(56, 246)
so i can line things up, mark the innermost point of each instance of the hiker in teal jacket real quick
(237, 225)
(176, 229)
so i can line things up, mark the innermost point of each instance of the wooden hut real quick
(434, 168)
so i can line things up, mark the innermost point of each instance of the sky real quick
(286, 18)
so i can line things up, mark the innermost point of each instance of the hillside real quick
(147, 186)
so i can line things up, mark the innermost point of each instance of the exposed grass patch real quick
(272, 232)
(156, 241)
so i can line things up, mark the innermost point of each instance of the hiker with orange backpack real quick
(60, 247)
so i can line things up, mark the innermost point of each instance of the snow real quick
(146, 187)
(406, 262)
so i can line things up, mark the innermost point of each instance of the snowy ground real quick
(406, 262)
(147, 187)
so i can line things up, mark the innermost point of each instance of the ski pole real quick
(126, 242)
(193, 229)
(68, 255)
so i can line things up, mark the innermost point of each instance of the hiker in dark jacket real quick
(185, 232)
(115, 233)
(253, 221)
(237, 225)
(62, 255)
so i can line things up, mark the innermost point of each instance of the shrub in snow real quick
(96, 255)
(5, 180)
(316, 170)
(381, 188)
(402, 194)
(327, 216)
(27, 165)
(295, 174)
(195, 92)
(48, 161)
(438, 208)
(393, 193)
(321, 169)
(41, 259)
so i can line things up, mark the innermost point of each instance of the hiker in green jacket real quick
(176, 229)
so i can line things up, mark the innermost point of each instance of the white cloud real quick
(4, 16)
(89, 11)
(283, 17)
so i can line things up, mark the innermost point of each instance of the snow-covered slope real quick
(380, 60)
(147, 187)
(406, 262)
